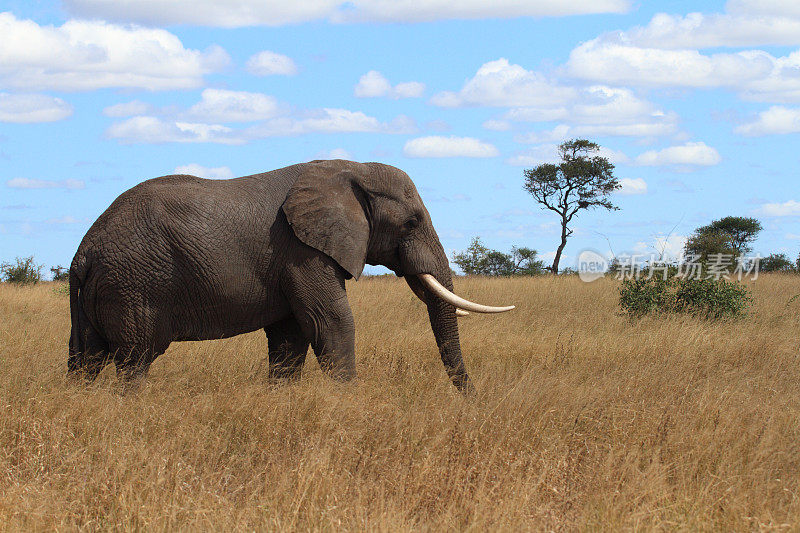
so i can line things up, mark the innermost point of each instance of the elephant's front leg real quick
(324, 315)
(287, 349)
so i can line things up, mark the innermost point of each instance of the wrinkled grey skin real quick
(184, 258)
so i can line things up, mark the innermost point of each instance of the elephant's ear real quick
(326, 214)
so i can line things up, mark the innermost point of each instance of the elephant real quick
(179, 258)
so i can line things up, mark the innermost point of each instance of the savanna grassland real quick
(583, 419)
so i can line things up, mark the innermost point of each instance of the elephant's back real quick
(195, 249)
(178, 206)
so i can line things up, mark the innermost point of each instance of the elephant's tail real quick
(77, 275)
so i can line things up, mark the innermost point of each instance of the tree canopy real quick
(729, 235)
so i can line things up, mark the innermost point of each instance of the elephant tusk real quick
(439, 290)
(421, 295)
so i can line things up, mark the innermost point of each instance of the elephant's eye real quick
(411, 223)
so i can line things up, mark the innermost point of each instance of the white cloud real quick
(331, 120)
(269, 63)
(610, 60)
(666, 54)
(558, 133)
(543, 153)
(689, 154)
(776, 120)
(28, 183)
(595, 111)
(28, 108)
(698, 30)
(562, 131)
(150, 129)
(193, 169)
(409, 89)
(599, 104)
(86, 55)
(627, 130)
(220, 105)
(232, 14)
(205, 121)
(438, 125)
(549, 257)
(785, 209)
(780, 8)
(128, 109)
(615, 156)
(215, 105)
(501, 84)
(153, 130)
(239, 13)
(374, 84)
(432, 10)
(437, 146)
(336, 153)
(497, 125)
(631, 186)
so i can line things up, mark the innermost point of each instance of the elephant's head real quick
(370, 213)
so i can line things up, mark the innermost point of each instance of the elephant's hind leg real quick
(88, 359)
(138, 333)
(287, 349)
(133, 361)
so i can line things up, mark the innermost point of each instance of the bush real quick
(60, 273)
(23, 271)
(706, 298)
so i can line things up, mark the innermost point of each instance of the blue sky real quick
(697, 104)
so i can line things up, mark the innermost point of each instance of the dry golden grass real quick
(582, 420)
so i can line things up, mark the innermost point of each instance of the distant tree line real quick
(733, 237)
(25, 270)
(478, 260)
(728, 239)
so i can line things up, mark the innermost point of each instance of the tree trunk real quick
(560, 249)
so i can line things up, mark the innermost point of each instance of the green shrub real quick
(23, 271)
(60, 273)
(706, 298)
(711, 298)
(642, 296)
(61, 288)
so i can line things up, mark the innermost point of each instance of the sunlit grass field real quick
(582, 419)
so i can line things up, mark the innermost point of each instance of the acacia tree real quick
(729, 235)
(582, 180)
(776, 263)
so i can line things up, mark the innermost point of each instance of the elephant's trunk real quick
(445, 328)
